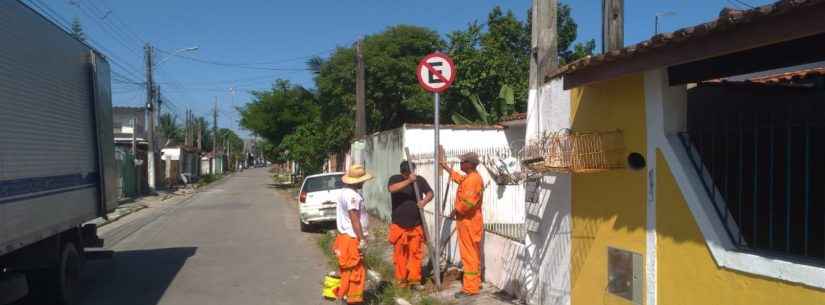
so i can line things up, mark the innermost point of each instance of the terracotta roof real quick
(728, 19)
(514, 117)
(790, 76)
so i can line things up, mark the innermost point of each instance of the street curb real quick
(139, 207)
(119, 216)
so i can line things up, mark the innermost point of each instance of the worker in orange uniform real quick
(406, 233)
(469, 221)
(351, 241)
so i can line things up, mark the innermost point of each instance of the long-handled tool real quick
(430, 241)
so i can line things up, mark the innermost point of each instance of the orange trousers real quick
(408, 244)
(351, 266)
(469, 242)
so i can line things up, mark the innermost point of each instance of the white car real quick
(317, 199)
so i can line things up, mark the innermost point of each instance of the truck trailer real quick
(57, 166)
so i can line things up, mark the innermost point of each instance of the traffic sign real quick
(436, 72)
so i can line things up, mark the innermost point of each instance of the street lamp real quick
(656, 20)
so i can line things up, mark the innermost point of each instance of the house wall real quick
(686, 266)
(382, 153)
(608, 208)
(693, 253)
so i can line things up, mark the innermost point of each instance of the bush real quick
(207, 179)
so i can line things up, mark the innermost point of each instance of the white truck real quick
(56, 156)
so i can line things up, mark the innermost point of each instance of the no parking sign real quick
(436, 72)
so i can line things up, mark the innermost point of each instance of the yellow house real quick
(724, 202)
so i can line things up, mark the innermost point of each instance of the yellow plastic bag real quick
(331, 282)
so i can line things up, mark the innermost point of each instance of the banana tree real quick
(503, 105)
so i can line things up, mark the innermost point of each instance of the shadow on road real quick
(138, 277)
(322, 228)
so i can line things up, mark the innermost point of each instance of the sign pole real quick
(435, 73)
(437, 207)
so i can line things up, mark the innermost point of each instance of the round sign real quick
(436, 72)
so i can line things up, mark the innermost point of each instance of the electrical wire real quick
(50, 14)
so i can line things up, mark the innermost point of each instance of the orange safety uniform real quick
(351, 267)
(408, 253)
(470, 227)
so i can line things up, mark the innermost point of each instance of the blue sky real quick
(283, 33)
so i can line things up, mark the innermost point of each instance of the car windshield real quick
(323, 183)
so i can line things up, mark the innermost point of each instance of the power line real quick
(738, 4)
(125, 26)
(105, 26)
(258, 63)
(232, 65)
(63, 24)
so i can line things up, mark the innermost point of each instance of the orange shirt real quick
(468, 200)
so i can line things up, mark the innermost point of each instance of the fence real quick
(502, 204)
(127, 182)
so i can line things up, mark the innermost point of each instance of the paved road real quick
(236, 243)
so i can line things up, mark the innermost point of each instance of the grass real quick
(207, 179)
(383, 293)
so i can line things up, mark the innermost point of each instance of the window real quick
(762, 148)
(323, 183)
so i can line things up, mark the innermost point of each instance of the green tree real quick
(168, 129)
(392, 94)
(275, 113)
(488, 61)
(77, 30)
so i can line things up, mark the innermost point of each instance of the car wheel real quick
(304, 226)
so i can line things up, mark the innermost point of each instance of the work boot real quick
(462, 295)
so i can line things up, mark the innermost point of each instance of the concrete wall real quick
(608, 208)
(693, 259)
(544, 264)
(382, 153)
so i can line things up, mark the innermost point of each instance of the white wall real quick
(545, 258)
(382, 153)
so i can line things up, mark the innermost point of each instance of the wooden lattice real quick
(566, 151)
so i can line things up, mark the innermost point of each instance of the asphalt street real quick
(238, 242)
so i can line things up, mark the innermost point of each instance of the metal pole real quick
(437, 171)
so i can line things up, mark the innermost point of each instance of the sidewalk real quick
(451, 281)
(128, 206)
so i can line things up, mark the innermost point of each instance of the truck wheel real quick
(69, 274)
(304, 227)
(56, 285)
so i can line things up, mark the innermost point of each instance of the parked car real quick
(317, 199)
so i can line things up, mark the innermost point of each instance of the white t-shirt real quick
(349, 200)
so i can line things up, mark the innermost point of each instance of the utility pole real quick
(150, 105)
(360, 94)
(612, 25)
(544, 41)
(214, 136)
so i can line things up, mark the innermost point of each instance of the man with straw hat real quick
(352, 229)
(469, 221)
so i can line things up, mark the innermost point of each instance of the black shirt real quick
(404, 207)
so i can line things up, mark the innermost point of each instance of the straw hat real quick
(356, 174)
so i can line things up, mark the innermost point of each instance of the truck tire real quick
(71, 264)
